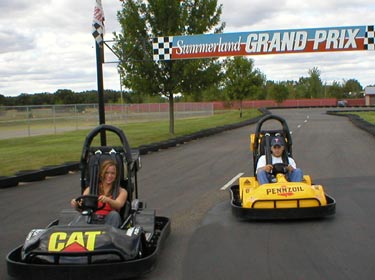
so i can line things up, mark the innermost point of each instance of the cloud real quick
(12, 41)
(265, 15)
(48, 45)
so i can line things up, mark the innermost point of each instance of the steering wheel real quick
(279, 168)
(89, 202)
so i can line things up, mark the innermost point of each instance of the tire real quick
(55, 170)
(31, 175)
(8, 181)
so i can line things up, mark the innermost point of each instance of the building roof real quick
(370, 90)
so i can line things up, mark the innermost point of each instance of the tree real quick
(302, 88)
(2, 100)
(141, 21)
(291, 87)
(335, 90)
(24, 99)
(352, 88)
(278, 92)
(310, 87)
(315, 83)
(64, 96)
(241, 79)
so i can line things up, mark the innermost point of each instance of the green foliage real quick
(352, 88)
(278, 92)
(242, 81)
(315, 89)
(335, 90)
(64, 96)
(291, 87)
(310, 87)
(67, 96)
(2, 99)
(141, 21)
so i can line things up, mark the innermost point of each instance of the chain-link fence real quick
(21, 121)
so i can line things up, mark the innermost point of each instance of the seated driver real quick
(264, 170)
(112, 205)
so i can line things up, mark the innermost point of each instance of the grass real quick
(367, 116)
(30, 153)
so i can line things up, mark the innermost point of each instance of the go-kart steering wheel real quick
(89, 202)
(279, 168)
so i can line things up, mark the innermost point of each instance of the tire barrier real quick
(8, 181)
(55, 170)
(356, 120)
(31, 175)
(25, 176)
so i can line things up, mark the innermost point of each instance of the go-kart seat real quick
(97, 155)
(265, 147)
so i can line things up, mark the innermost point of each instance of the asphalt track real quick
(207, 242)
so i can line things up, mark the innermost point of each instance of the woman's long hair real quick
(103, 169)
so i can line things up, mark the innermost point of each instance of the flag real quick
(98, 23)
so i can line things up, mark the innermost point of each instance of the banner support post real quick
(99, 74)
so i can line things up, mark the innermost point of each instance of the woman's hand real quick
(104, 199)
(75, 204)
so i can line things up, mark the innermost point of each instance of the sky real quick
(46, 45)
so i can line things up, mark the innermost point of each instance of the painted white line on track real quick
(231, 181)
(305, 121)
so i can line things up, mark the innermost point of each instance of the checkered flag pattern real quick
(369, 38)
(162, 47)
(97, 32)
(98, 22)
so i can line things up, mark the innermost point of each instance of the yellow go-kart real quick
(280, 199)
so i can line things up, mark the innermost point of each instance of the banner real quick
(326, 39)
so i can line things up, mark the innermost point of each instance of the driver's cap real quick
(277, 141)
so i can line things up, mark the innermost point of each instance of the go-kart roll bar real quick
(283, 123)
(267, 148)
(105, 127)
(125, 145)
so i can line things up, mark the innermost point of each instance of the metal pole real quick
(99, 71)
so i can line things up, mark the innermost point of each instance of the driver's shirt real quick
(262, 161)
(105, 211)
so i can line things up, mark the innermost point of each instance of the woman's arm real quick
(117, 203)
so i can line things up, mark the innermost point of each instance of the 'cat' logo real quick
(72, 242)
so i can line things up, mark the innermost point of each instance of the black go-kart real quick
(92, 249)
